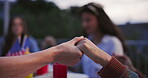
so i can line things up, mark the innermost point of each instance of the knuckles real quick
(76, 38)
(84, 45)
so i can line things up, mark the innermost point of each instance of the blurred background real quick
(59, 18)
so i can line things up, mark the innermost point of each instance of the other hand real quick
(93, 52)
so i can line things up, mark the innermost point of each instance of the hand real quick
(93, 52)
(68, 53)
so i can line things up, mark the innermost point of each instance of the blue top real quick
(33, 45)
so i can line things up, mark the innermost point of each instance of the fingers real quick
(76, 40)
(79, 52)
(81, 41)
(83, 45)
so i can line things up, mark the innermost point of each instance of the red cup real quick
(59, 71)
(42, 70)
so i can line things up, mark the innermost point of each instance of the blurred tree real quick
(45, 18)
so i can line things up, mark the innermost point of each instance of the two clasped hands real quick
(70, 52)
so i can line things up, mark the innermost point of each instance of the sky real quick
(120, 11)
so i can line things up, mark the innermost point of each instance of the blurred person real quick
(49, 41)
(112, 68)
(125, 60)
(17, 41)
(101, 31)
(17, 37)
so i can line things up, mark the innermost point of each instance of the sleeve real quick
(132, 74)
(117, 46)
(115, 69)
(33, 45)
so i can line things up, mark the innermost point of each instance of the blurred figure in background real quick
(17, 41)
(48, 42)
(17, 34)
(125, 60)
(101, 31)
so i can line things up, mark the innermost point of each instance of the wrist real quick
(102, 57)
(106, 60)
(56, 53)
(50, 54)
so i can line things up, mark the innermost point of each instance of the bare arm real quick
(93, 52)
(20, 66)
(112, 68)
(26, 64)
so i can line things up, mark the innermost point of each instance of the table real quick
(69, 75)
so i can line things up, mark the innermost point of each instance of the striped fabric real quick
(17, 50)
(16, 53)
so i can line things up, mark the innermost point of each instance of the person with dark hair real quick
(17, 39)
(101, 31)
(49, 41)
(112, 68)
(125, 60)
(17, 42)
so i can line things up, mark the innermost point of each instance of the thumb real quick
(76, 40)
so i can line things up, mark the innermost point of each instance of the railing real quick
(138, 52)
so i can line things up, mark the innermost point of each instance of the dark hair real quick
(10, 38)
(106, 26)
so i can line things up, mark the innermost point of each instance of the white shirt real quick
(109, 44)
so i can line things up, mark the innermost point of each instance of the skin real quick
(90, 24)
(17, 28)
(93, 52)
(20, 66)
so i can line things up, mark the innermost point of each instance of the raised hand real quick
(93, 52)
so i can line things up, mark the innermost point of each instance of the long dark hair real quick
(10, 38)
(106, 26)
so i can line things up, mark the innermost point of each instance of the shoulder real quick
(33, 44)
(115, 43)
(111, 39)
(32, 39)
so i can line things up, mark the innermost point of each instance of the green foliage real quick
(45, 18)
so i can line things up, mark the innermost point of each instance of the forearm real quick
(20, 66)
(112, 68)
